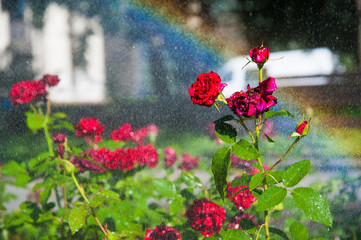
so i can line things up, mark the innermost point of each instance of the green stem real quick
(46, 129)
(81, 190)
(260, 75)
(284, 155)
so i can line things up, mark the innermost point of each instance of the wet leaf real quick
(280, 113)
(165, 188)
(232, 234)
(220, 164)
(245, 150)
(226, 132)
(275, 175)
(313, 205)
(244, 180)
(294, 174)
(256, 180)
(191, 180)
(77, 218)
(298, 231)
(271, 198)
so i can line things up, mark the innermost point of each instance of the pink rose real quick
(259, 55)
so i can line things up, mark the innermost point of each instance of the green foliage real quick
(298, 231)
(77, 218)
(293, 175)
(271, 198)
(245, 150)
(220, 164)
(231, 234)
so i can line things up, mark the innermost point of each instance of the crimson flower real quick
(206, 89)
(241, 200)
(59, 138)
(89, 127)
(170, 156)
(188, 162)
(206, 217)
(27, 91)
(162, 232)
(50, 80)
(147, 155)
(255, 101)
(259, 55)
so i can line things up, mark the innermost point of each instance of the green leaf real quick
(319, 238)
(176, 206)
(2, 207)
(278, 232)
(77, 218)
(22, 180)
(244, 180)
(109, 194)
(224, 119)
(271, 198)
(110, 144)
(313, 205)
(34, 122)
(63, 124)
(165, 188)
(247, 225)
(60, 115)
(232, 234)
(275, 175)
(226, 132)
(257, 193)
(294, 174)
(269, 139)
(245, 150)
(12, 168)
(298, 231)
(190, 180)
(280, 113)
(220, 164)
(256, 180)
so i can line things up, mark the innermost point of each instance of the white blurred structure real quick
(53, 50)
(283, 66)
(5, 56)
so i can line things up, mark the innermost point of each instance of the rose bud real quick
(50, 80)
(259, 55)
(59, 138)
(300, 128)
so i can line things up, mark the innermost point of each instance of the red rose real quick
(59, 138)
(259, 55)
(147, 155)
(206, 89)
(206, 217)
(27, 91)
(89, 127)
(50, 80)
(300, 128)
(170, 156)
(241, 200)
(255, 101)
(188, 162)
(162, 232)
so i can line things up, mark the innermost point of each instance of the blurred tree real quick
(285, 24)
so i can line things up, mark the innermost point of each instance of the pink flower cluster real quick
(206, 217)
(90, 129)
(188, 162)
(125, 159)
(28, 91)
(162, 232)
(126, 133)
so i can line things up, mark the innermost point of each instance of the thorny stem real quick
(284, 155)
(81, 190)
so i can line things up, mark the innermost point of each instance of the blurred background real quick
(133, 61)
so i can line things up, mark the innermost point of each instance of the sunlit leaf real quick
(280, 113)
(191, 180)
(244, 180)
(245, 150)
(220, 164)
(165, 188)
(298, 231)
(256, 180)
(294, 174)
(313, 205)
(77, 218)
(276, 175)
(34, 122)
(110, 144)
(271, 198)
(231, 234)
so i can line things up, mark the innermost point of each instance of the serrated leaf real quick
(245, 150)
(191, 180)
(278, 232)
(165, 188)
(110, 144)
(275, 175)
(244, 180)
(271, 198)
(226, 132)
(313, 205)
(231, 234)
(256, 180)
(77, 218)
(34, 122)
(280, 113)
(298, 231)
(220, 164)
(294, 174)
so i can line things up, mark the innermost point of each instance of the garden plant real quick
(118, 188)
